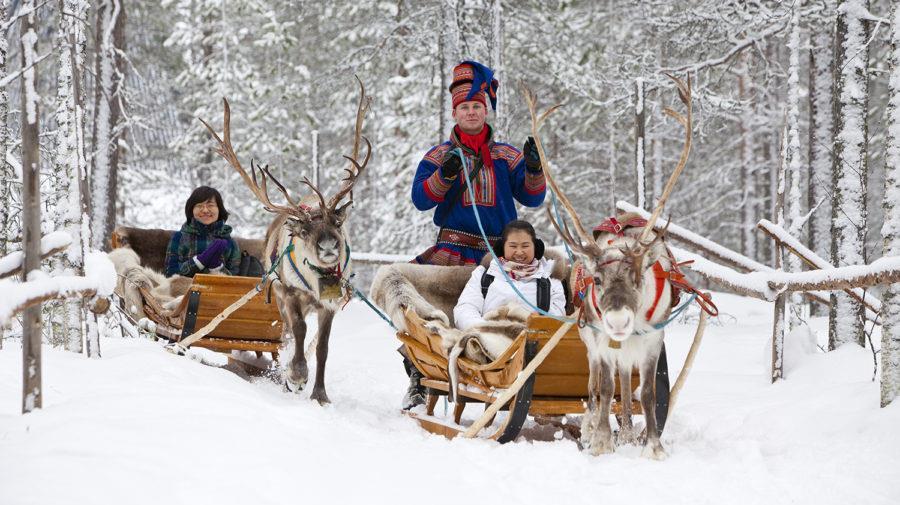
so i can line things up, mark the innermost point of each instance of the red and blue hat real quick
(473, 81)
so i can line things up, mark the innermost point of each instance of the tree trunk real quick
(640, 146)
(501, 120)
(890, 330)
(778, 322)
(793, 162)
(7, 174)
(31, 210)
(849, 169)
(448, 46)
(748, 209)
(820, 134)
(109, 71)
(69, 157)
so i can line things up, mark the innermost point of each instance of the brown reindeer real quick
(618, 312)
(308, 244)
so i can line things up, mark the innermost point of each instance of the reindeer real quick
(307, 244)
(620, 289)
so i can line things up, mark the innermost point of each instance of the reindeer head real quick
(617, 264)
(620, 273)
(314, 224)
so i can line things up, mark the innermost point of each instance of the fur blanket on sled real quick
(432, 292)
(132, 277)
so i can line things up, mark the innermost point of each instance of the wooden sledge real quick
(256, 326)
(558, 386)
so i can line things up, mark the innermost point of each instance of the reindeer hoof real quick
(294, 386)
(654, 451)
(626, 436)
(602, 445)
(320, 396)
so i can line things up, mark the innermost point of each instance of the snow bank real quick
(141, 426)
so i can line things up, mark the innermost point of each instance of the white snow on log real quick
(365, 257)
(99, 276)
(817, 260)
(688, 236)
(49, 242)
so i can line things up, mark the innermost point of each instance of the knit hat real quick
(473, 81)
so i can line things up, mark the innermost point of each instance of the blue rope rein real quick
(657, 326)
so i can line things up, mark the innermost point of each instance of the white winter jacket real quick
(472, 306)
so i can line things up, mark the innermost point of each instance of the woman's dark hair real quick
(520, 225)
(200, 195)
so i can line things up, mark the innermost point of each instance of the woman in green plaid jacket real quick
(204, 244)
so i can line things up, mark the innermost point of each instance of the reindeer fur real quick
(621, 292)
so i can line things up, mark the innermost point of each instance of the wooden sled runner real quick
(558, 386)
(255, 326)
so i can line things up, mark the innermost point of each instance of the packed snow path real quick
(141, 426)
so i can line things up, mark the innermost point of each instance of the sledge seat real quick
(256, 326)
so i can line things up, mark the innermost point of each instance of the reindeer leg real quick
(601, 438)
(297, 372)
(626, 427)
(326, 316)
(588, 422)
(653, 448)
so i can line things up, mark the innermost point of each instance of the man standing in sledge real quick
(499, 173)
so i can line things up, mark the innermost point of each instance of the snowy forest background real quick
(287, 68)
(120, 87)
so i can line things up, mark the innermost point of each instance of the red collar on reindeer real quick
(614, 226)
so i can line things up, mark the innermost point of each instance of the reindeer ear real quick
(341, 213)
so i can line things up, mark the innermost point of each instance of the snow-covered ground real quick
(143, 426)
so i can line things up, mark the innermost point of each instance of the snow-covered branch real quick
(52, 243)
(99, 280)
(731, 53)
(15, 75)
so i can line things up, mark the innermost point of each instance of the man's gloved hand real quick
(451, 165)
(532, 158)
(212, 256)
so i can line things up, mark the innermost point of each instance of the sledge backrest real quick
(257, 320)
(150, 244)
(565, 371)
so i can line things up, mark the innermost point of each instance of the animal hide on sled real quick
(132, 277)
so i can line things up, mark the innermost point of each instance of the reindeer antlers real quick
(684, 93)
(348, 181)
(584, 244)
(258, 188)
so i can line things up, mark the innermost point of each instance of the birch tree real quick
(109, 71)
(821, 28)
(890, 330)
(849, 170)
(792, 146)
(69, 163)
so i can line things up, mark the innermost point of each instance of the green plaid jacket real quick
(193, 239)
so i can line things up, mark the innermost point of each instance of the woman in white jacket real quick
(522, 259)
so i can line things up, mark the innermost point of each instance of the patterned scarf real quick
(520, 271)
(478, 143)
